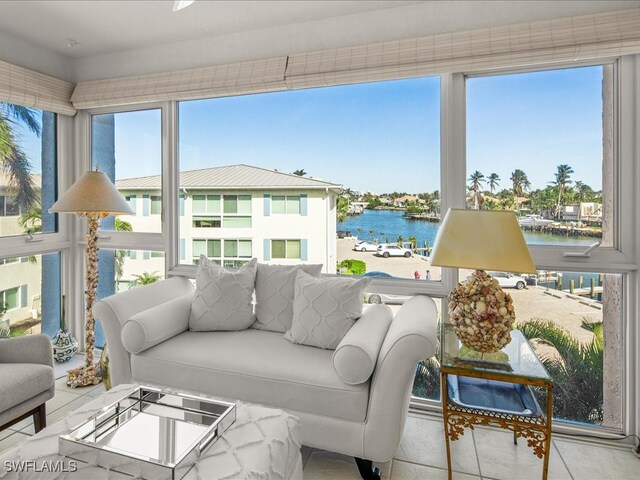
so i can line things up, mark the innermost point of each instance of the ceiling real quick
(102, 27)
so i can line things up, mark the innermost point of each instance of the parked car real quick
(365, 247)
(343, 233)
(376, 298)
(387, 251)
(509, 280)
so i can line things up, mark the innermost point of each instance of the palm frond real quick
(26, 115)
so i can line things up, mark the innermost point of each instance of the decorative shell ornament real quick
(482, 313)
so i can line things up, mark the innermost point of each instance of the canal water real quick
(386, 226)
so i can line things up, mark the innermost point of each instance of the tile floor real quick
(484, 453)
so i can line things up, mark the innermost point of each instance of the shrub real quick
(352, 267)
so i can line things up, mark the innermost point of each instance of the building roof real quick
(230, 177)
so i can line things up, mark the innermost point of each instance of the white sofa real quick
(364, 420)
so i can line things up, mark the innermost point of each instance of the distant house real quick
(233, 213)
(583, 212)
(402, 202)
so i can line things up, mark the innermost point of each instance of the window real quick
(30, 292)
(207, 222)
(285, 249)
(535, 145)
(285, 204)
(31, 135)
(226, 252)
(127, 146)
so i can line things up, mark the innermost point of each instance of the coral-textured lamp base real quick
(84, 376)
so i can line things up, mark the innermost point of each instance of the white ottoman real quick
(263, 443)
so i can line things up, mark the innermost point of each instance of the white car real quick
(365, 247)
(387, 251)
(509, 280)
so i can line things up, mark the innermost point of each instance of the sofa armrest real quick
(114, 311)
(157, 324)
(410, 338)
(27, 349)
(357, 353)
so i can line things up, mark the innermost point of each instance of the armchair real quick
(26, 379)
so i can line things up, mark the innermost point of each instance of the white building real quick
(233, 213)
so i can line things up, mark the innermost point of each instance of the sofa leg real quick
(368, 471)
(40, 418)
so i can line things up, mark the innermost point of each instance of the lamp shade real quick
(92, 192)
(482, 240)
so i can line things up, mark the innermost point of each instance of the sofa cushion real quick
(274, 294)
(324, 309)
(22, 381)
(223, 298)
(155, 325)
(357, 354)
(255, 366)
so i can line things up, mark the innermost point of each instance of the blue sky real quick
(383, 136)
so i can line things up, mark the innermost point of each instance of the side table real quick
(495, 389)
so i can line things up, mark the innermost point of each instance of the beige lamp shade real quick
(92, 192)
(482, 240)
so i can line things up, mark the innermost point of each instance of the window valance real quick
(25, 87)
(584, 37)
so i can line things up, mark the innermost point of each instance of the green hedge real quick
(352, 267)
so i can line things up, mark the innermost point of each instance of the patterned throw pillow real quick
(324, 309)
(222, 299)
(274, 295)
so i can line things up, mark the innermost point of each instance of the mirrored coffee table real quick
(495, 389)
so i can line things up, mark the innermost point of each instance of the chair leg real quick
(40, 418)
(368, 471)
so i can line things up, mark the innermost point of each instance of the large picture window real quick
(320, 169)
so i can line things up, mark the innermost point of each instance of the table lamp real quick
(482, 314)
(92, 196)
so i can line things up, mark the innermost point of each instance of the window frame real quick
(621, 259)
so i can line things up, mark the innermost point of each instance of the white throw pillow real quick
(274, 294)
(324, 309)
(222, 299)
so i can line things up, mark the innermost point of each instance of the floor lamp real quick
(93, 196)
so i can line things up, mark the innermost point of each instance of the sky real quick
(383, 136)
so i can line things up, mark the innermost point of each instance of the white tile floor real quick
(483, 453)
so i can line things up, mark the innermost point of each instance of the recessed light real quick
(71, 43)
(180, 4)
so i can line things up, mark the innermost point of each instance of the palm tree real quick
(12, 159)
(342, 209)
(145, 278)
(476, 179)
(563, 175)
(577, 369)
(520, 184)
(300, 173)
(494, 180)
(31, 220)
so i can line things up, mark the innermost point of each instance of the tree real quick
(563, 175)
(12, 159)
(342, 209)
(31, 220)
(121, 226)
(476, 179)
(520, 184)
(577, 370)
(145, 278)
(494, 180)
(300, 173)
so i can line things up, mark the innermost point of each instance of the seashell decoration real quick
(482, 314)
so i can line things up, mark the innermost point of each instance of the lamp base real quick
(84, 376)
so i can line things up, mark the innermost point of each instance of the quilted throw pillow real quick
(274, 295)
(222, 299)
(324, 309)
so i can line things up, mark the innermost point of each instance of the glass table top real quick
(516, 359)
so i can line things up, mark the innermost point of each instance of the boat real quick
(534, 221)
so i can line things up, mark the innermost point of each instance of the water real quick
(389, 224)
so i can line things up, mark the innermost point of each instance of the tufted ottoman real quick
(262, 444)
